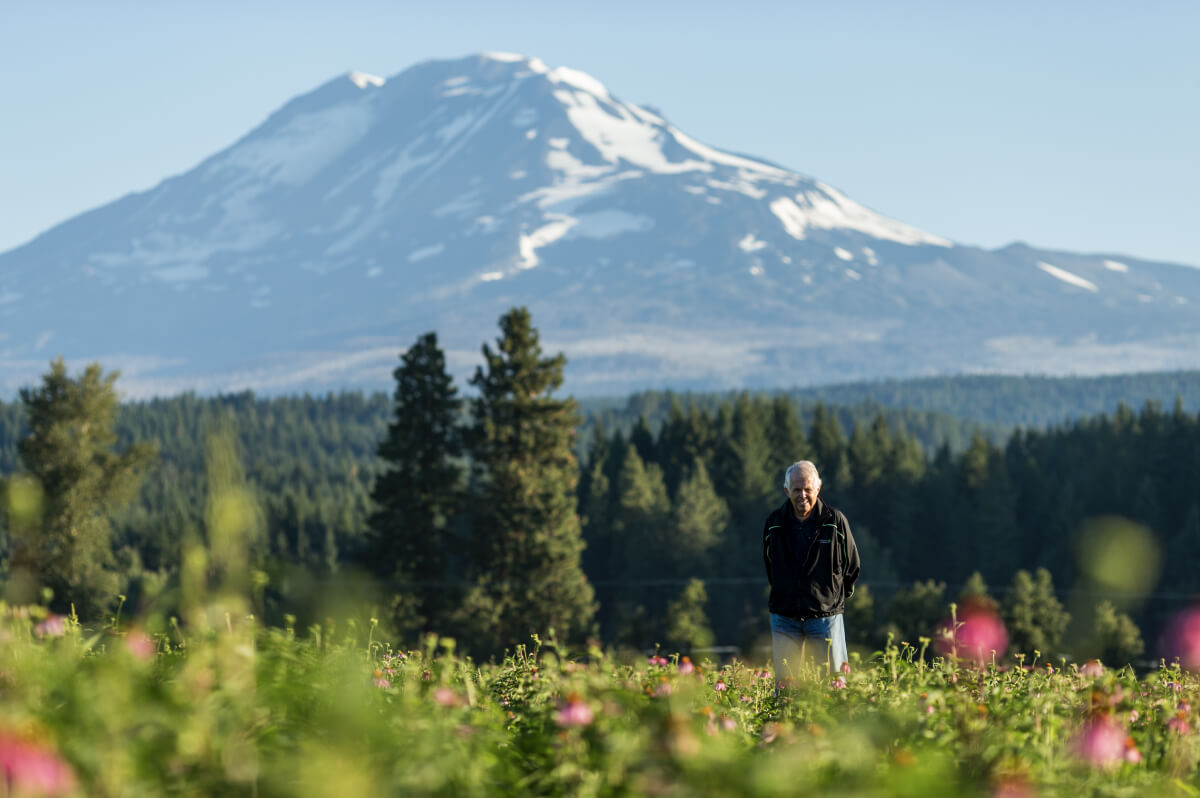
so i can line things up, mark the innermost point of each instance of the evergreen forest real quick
(507, 510)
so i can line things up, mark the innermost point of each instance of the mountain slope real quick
(308, 253)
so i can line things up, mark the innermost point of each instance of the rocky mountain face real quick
(309, 253)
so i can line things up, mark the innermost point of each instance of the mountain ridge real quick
(310, 251)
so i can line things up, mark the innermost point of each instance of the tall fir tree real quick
(634, 612)
(418, 497)
(70, 456)
(525, 538)
(1035, 617)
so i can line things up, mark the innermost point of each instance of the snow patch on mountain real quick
(828, 209)
(1067, 277)
(362, 80)
(1115, 266)
(304, 146)
(751, 244)
(426, 252)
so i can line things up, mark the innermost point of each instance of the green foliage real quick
(915, 612)
(1035, 617)
(239, 709)
(419, 496)
(860, 616)
(62, 538)
(525, 541)
(1118, 640)
(687, 625)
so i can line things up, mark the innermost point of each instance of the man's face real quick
(803, 494)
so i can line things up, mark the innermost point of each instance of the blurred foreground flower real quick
(29, 769)
(575, 712)
(1101, 742)
(1183, 638)
(979, 633)
(139, 645)
(720, 686)
(53, 626)
(1091, 668)
(686, 666)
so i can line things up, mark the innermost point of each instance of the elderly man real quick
(812, 565)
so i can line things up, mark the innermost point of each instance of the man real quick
(812, 565)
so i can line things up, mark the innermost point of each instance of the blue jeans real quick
(788, 638)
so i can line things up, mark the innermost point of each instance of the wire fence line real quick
(885, 586)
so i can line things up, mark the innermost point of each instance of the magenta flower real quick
(1101, 742)
(575, 712)
(445, 697)
(658, 660)
(139, 645)
(1183, 638)
(30, 769)
(686, 666)
(845, 667)
(720, 686)
(53, 626)
(980, 632)
(839, 683)
(1178, 723)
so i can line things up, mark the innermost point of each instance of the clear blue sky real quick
(1072, 125)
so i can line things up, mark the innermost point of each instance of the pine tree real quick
(1118, 640)
(638, 551)
(829, 450)
(974, 594)
(69, 454)
(687, 624)
(526, 540)
(1035, 617)
(418, 496)
(696, 522)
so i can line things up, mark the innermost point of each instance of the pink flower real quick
(980, 632)
(745, 699)
(575, 712)
(929, 709)
(29, 769)
(1133, 716)
(381, 683)
(1178, 723)
(728, 723)
(720, 686)
(845, 667)
(1091, 668)
(1049, 668)
(445, 697)
(686, 666)
(53, 626)
(1133, 755)
(1101, 742)
(657, 660)
(662, 690)
(839, 683)
(139, 645)
(1183, 638)
(764, 674)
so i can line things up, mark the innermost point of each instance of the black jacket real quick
(809, 578)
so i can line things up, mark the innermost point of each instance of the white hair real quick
(805, 468)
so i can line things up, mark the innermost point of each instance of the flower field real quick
(236, 709)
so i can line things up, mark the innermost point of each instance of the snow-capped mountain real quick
(309, 253)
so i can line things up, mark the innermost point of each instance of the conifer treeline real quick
(671, 511)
